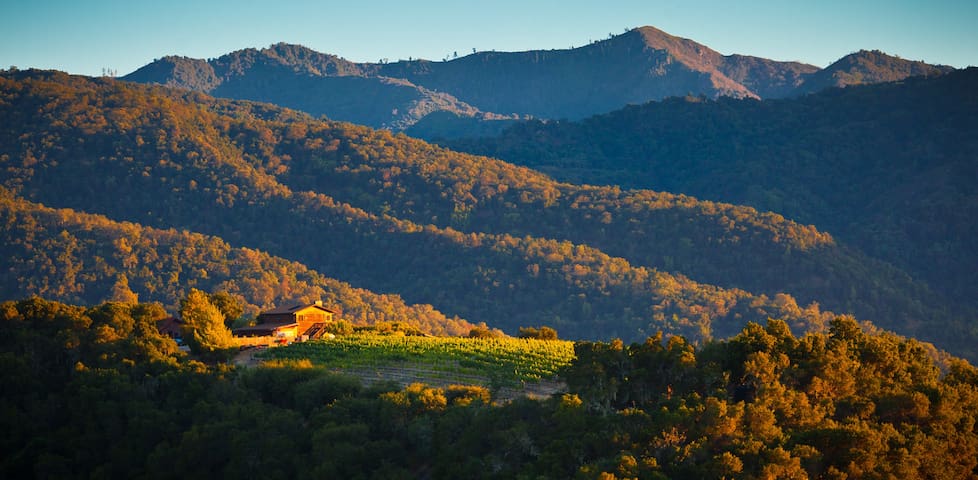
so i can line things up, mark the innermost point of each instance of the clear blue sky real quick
(84, 36)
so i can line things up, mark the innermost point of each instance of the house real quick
(170, 327)
(302, 321)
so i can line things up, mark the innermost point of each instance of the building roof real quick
(295, 308)
(266, 328)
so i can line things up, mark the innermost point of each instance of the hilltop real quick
(868, 67)
(485, 89)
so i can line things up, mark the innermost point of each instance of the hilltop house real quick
(290, 323)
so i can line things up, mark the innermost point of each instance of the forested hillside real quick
(887, 169)
(474, 237)
(88, 259)
(97, 391)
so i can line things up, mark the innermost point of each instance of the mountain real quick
(889, 169)
(296, 77)
(868, 67)
(471, 236)
(640, 65)
(484, 88)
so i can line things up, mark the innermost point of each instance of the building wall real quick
(306, 318)
(289, 334)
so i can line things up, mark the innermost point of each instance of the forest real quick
(887, 169)
(743, 289)
(474, 238)
(100, 393)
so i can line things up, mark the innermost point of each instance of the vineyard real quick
(500, 362)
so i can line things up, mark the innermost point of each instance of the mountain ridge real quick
(640, 65)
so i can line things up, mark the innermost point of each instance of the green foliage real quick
(884, 168)
(542, 333)
(97, 391)
(769, 404)
(340, 327)
(203, 325)
(229, 306)
(506, 361)
(483, 331)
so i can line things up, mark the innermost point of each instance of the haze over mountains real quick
(638, 66)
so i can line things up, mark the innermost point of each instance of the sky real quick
(85, 37)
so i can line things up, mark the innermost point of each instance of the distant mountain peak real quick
(660, 40)
(640, 65)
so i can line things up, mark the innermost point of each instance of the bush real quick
(543, 333)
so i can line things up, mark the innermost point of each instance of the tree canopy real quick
(203, 326)
(98, 391)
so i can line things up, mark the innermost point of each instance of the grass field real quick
(499, 362)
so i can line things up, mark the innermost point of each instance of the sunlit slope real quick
(471, 236)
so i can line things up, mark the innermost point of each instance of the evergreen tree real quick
(204, 329)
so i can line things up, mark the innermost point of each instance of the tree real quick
(229, 306)
(203, 324)
(542, 333)
(483, 331)
(122, 293)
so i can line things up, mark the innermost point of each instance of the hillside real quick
(99, 392)
(479, 90)
(147, 145)
(888, 169)
(471, 236)
(89, 259)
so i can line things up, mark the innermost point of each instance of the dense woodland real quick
(97, 392)
(473, 237)
(887, 169)
(88, 259)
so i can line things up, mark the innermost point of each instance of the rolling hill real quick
(889, 169)
(471, 236)
(90, 259)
